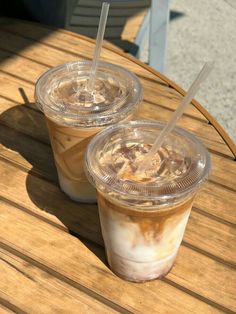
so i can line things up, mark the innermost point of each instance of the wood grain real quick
(25, 285)
(218, 201)
(38, 57)
(223, 171)
(53, 55)
(69, 257)
(12, 86)
(51, 264)
(30, 71)
(203, 233)
(212, 237)
(153, 91)
(205, 132)
(38, 32)
(162, 95)
(25, 152)
(4, 310)
(22, 119)
(30, 155)
(31, 122)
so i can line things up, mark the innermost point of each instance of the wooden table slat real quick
(200, 232)
(62, 272)
(218, 201)
(204, 131)
(167, 97)
(52, 53)
(37, 285)
(15, 87)
(30, 71)
(32, 123)
(39, 33)
(15, 147)
(223, 171)
(158, 94)
(72, 43)
(52, 56)
(70, 258)
(213, 237)
(7, 307)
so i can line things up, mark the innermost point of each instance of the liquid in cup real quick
(74, 115)
(143, 215)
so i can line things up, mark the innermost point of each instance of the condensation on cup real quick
(74, 115)
(144, 215)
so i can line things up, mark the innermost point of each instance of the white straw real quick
(98, 47)
(176, 115)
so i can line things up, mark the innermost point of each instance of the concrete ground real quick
(201, 31)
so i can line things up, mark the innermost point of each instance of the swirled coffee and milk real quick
(75, 114)
(144, 215)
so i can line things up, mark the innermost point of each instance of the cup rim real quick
(96, 118)
(140, 190)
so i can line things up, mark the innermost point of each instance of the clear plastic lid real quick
(177, 170)
(61, 93)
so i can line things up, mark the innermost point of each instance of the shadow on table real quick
(38, 12)
(19, 126)
(14, 39)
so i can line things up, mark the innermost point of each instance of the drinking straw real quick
(98, 47)
(176, 115)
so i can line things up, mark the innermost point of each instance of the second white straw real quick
(98, 47)
(176, 115)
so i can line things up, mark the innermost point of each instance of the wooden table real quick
(52, 255)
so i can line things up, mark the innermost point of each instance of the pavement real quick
(204, 31)
(201, 31)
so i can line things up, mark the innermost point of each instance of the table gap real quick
(218, 153)
(24, 57)
(48, 144)
(28, 211)
(8, 247)
(18, 77)
(69, 52)
(31, 108)
(172, 110)
(10, 306)
(65, 279)
(214, 217)
(147, 101)
(42, 175)
(200, 297)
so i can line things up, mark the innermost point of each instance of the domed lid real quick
(63, 95)
(177, 169)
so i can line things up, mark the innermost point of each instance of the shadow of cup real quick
(24, 133)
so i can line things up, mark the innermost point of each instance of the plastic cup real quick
(143, 216)
(74, 115)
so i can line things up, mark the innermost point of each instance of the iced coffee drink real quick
(74, 114)
(143, 215)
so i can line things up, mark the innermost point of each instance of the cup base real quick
(145, 280)
(81, 192)
(140, 271)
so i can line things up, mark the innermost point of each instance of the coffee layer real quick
(69, 145)
(142, 245)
